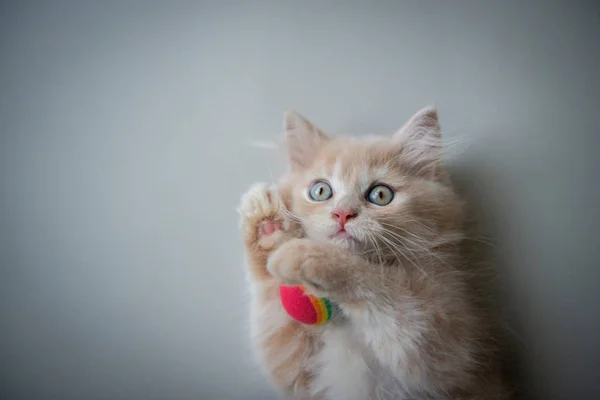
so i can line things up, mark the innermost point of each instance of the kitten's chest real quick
(348, 370)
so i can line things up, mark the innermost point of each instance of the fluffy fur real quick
(409, 326)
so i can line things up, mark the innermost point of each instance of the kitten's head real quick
(378, 196)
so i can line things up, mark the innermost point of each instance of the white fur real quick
(343, 373)
(346, 368)
(339, 189)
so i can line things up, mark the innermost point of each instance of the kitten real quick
(374, 225)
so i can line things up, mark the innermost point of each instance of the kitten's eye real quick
(320, 191)
(380, 195)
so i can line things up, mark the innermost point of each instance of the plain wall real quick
(125, 131)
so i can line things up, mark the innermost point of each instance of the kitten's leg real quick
(285, 347)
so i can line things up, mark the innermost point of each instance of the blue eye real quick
(320, 191)
(380, 195)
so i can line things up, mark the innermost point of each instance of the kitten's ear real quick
(419, 143)
(303, 139)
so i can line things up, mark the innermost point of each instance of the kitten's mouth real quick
(343, 234)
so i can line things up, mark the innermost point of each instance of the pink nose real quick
(342, 216)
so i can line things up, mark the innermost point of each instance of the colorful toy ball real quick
(303, 307)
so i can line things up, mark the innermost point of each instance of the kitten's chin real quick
(346, 241)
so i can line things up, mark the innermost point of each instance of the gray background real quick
(125, 145)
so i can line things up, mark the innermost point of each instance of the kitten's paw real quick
(302, 262)
(261, 201)
(261, 216)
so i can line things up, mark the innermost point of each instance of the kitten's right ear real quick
(303, 139)
(419, 142)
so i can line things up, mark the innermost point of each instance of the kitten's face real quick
(380, 197)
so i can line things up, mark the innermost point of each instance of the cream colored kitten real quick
(374, 225)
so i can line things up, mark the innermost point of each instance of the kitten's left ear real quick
(303, 139)
(419, 142)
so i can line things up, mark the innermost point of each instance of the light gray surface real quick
(124, 131)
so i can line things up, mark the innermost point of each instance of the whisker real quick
(392, 246)
(402, 229)
(379, 253)
(289, 214)
(419, 248)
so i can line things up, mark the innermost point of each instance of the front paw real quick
(302, 262)
(262, 220)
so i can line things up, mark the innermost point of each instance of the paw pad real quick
(268, 227)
